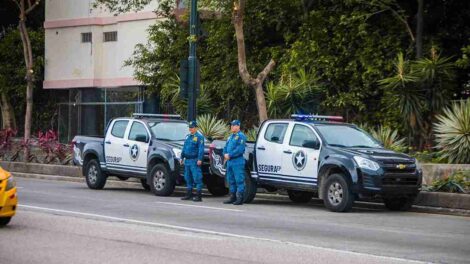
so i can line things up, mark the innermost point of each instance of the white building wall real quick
(69, 63)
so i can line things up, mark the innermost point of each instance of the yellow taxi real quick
(8, 198)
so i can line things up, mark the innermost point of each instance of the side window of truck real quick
(138, 132)
(300, 135)
(119, 128)
(275, 132)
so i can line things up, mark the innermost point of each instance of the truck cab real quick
(320, 155)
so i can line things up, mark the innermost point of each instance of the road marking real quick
(200, 206)
(210, 232)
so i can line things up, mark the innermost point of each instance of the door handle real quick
(108, 142)
(288, 151)
(261, 148)
(126, 145)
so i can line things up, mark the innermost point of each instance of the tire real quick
(94, 176)
(161, 182)
(4, 221)
(299, 196)
(122, 178)
(337, 193)
(144, 184)
(399, 203)
(216, 186)
(250, 188)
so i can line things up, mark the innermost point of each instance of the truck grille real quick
(399, 180)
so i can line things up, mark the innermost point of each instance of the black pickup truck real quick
(319, 155)
(145, 146)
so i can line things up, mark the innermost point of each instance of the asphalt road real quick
(64, 222)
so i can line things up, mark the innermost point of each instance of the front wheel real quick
(337, 193)
(300, 196)
(4, 221)
(160, 181)
(95, 179)
(399, 203)
(250, 188)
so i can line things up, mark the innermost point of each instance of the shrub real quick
(457, 182)
(55, 151)
(212, 127)
(389, 137)
(453, 132)
(251, 134)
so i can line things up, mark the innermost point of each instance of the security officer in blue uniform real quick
(233, 155)
(192, 156)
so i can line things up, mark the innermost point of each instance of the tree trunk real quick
(255, 83)
(419, 30)
(8, 115)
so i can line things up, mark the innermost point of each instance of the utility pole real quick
(193, 72)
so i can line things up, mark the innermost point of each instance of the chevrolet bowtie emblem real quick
(401, 166)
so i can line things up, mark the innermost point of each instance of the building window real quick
(110, 36)
(86, 37)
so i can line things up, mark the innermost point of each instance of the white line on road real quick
(200, 206)
(204, 231)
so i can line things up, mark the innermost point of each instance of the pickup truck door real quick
(135, 149)
(268, 150)
(113, 144)
(300, 155)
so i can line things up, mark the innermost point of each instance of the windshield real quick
(169, 131)
(346, 136)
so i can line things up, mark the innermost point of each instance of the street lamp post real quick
(192, 62)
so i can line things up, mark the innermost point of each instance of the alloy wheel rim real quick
(159, 180)
(335, 193)
(92, 174)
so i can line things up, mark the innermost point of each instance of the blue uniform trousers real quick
(236, 176)
(192, 174)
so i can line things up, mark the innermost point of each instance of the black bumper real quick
(388, 184)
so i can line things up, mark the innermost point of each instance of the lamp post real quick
(193, 80)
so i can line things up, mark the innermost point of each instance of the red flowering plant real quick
(55, 151)
(6, 136)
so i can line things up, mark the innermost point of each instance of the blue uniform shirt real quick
(235, 146)
(193, 147)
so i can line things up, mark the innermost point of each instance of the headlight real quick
(177, 152)
(11, 183)
(364, 163)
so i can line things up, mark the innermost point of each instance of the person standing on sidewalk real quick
(233, 155)
(192, 156)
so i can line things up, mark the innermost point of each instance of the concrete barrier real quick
(37, 168)
(445, 200)
(432, 172)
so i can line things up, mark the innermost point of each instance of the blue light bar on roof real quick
(317, 118)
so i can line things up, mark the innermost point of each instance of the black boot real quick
(198, 197)
(188, 196)
(239, 200)
(231, 200)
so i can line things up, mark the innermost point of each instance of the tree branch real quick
(263, 74)
(31, 8)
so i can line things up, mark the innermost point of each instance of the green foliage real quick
(458, 182)
(428, 156)
(294, 93)
(387, 136)
(453, 132)
(251, 134)
(212, 127)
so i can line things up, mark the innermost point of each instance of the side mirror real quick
(313, 144)
(210, 139)
(141, 138)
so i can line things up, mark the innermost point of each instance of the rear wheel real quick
(399, 203)
(144, 184)
(161, 182)
(95, 179)
(250, 188)
(4, 221)
(337, 193)
(216, 185)
(299, 196)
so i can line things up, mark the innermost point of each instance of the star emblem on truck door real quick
(299, 159)
(134, 151)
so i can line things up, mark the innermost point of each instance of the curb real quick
(269, 196)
